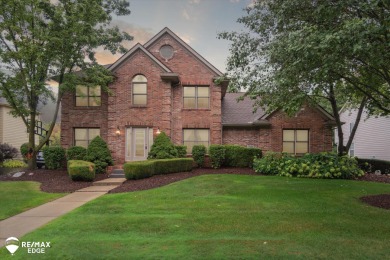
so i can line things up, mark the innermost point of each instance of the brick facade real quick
(271, 138)
(164, 109)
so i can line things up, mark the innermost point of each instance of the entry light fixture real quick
(118, 131)
(158, 131)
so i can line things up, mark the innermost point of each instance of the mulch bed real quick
(58, 181)
(53, 181)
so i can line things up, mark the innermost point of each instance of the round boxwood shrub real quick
(79, 170)
(181, 151)
(54, 157)
(99, 154)
(162, 148)
(76, 153)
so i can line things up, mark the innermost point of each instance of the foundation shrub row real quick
(148, 168)
(321, 165)
(232, 156)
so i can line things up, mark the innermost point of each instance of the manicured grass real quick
(19, 196)
(222, 217)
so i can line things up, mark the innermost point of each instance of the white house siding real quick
(13, 129)
(372, 139)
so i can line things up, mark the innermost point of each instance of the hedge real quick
(181, 151)
(76, 153)
(372, 165)
(239, 156)
(217, 155)
(198, 153)
(54, 157)
(145, 169)
(99, 154)
(81, 170)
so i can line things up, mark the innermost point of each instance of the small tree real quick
(99, 154)
(162, 148)
(7, 152)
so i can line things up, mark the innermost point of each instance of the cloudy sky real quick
(197, 22)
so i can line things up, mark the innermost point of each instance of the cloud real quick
(185, 14)
(194, 2)
(140, 34)
(186, 38)
(235, 1)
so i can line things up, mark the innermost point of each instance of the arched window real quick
(139, 90)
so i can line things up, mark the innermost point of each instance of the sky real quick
(197, 22)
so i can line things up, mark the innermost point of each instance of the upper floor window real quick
(88, 96)
(83, 136)
(296, 141)
(196, 97)
(140, 90)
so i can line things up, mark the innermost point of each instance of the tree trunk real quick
(32, 158)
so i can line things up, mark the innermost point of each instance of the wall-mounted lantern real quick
(118, 131)
(158, 131)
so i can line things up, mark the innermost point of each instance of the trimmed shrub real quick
(24, 150)
(99, 154)
(139, 170)
(372, 165)
(198, 153)
(181, 151)
(217, 155)
(81, 170)
(14, 164)
(76, 153)
(322, 165)
(239, 156)
(7, 152)
(162, 148)
(54, 157)
(145, 169)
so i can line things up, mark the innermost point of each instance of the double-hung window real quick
(88, 96)
(195, 97)
(295, 141)
(83, 136)
(193, 137)
(139, 91)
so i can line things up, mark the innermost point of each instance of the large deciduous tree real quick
(45, 39)
(332, 52)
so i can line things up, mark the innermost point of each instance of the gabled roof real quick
(240, 113)
(135, 48)
(166, 30)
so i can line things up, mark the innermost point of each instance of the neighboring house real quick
(164, 85)
(372, 137)
(12, 129)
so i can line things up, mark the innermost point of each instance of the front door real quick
(138, 143)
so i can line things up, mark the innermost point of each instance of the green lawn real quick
(19, 196)
(222, 217)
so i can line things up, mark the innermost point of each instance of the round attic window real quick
(166, 52)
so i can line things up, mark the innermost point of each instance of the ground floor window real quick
(295, 141)
(83, 136)
(193, 137)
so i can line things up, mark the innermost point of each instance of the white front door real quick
(138, 143)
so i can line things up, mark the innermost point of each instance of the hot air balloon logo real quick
(12, 244)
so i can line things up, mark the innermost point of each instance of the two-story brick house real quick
(164, 85)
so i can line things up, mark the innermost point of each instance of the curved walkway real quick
(23, 223)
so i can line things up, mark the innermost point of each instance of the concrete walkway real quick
(23, 223)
